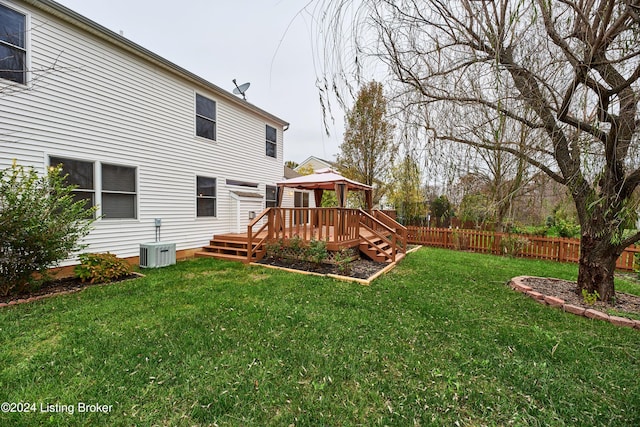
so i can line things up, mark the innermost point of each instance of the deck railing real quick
(255, 243)
(333, 225)
(339, 227)
(398, 228)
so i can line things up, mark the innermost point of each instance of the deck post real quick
(249, 242)
(271, 224)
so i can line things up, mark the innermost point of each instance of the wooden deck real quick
(377, 236)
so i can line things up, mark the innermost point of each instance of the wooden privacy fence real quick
(549, 248)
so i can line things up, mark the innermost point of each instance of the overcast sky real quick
(268, 43)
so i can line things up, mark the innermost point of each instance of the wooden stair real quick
(377, 249)
(230, 248)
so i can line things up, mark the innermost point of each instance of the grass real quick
(439, 340)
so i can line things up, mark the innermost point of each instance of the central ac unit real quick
(157, 254)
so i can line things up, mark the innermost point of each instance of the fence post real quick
(562, 250)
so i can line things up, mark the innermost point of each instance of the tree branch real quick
(518, 153)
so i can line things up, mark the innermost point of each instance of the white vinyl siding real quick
(110, 107)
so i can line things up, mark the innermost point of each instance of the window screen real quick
(118, 192)
(206, 196)
(205, 117)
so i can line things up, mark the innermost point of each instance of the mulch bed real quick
(360, 268)
(57, 286)
(566, 290)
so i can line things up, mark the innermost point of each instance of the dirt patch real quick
(566, 290)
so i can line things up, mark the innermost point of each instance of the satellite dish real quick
(240, 90)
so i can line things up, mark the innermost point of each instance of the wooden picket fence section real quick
(548, 248)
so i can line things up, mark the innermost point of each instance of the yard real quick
(438, 340)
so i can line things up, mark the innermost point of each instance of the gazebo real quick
(327, 179)
(369, 231)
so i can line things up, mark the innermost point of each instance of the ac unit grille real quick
(157, 254)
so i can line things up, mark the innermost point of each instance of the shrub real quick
(343, 259)
(296, 247)
(460, 241)
(590, 298)
(534, 230)
(274, 249)
(41, 224)
(513, 245)
(564, 228)
(317, 251)
(101, 268)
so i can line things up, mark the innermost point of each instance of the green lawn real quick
(438, 340)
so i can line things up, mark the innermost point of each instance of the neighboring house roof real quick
(109, 36)
(290, 173)
(312, 160)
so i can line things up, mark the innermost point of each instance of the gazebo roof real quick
(326, 179)
(323, 179)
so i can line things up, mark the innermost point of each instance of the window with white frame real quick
(270, 197)
(115, 193)
(79, 174)
(272, 142)
(13, 46)
(205, 117)
(206, 196)
(119, 192)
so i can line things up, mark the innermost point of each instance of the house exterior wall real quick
(241, 208)
(99, 102)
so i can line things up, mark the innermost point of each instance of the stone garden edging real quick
(517, 284)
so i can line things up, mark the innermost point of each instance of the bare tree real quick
(501, 175)
(367, 151)
(567, 70)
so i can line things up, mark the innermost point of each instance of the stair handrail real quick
(392, 241)
(383, 217)
(251, 235)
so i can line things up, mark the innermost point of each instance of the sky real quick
(268, 43)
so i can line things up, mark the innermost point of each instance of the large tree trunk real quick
(597, 265)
